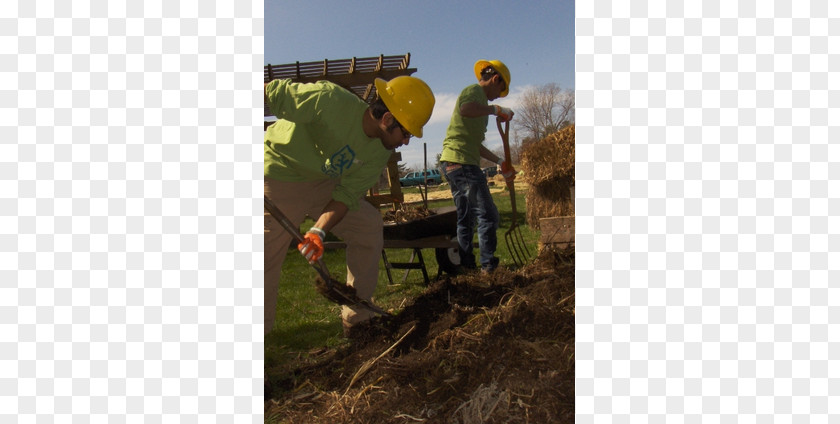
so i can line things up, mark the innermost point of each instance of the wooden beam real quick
(557, 230)
(382, 199)
(394, 180)
(368, 92)
(359, 78)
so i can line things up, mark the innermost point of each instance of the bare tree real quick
(516, 144)
(403, 169)
(544, 110)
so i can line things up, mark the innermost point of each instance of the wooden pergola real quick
(356, 75)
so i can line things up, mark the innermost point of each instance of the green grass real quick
(306, 321)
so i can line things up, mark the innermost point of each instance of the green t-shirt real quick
(465, 135)
(319, 135)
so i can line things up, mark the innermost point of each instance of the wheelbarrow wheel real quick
(448, 259)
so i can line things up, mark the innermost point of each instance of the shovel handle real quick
(287, 225)
(292, 229)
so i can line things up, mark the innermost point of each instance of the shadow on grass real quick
(300, 338)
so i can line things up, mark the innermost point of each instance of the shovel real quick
(513, 236)
(331, 289)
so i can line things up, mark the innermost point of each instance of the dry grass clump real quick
(549, 200)
(407, 214)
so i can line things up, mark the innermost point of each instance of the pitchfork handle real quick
(504, 133)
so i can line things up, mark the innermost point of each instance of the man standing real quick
(327, 148)
(461, 162)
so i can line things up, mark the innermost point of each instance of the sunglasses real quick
(405, 133)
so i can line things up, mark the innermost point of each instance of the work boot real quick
(489, 268)
(463, 270)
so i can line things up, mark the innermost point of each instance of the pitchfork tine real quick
(513, 236)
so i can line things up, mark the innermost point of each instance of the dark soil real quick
(470, 349)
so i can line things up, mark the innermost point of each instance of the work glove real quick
(312, 247)
(508, 172)
(504, 113)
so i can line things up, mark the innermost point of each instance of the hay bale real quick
(549, 168)
(551, 198)
(551, 158)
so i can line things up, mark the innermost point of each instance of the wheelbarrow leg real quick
(387, 267)
(407, 266)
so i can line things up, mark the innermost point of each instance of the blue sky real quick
(535, 39)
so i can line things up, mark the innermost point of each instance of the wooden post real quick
(558, 231)
(424, 192)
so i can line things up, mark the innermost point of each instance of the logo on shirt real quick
(339, 162)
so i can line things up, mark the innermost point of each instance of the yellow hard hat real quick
(409, 99)
(499, 67)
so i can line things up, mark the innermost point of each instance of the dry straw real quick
(551, 158)
(549, 168)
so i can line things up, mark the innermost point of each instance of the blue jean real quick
(474, 205)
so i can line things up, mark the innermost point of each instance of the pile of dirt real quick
(470, 349)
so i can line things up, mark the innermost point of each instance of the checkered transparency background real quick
(708, 161)
(130, 220)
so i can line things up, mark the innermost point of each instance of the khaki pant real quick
(361, 230)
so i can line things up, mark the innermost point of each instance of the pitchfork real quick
(331, 291)
(513, 236)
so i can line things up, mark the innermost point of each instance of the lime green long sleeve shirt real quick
(319, 135)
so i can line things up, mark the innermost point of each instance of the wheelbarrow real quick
(437, 231)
